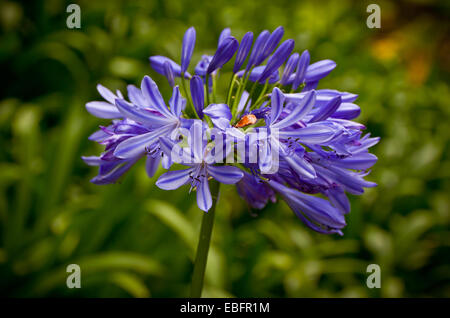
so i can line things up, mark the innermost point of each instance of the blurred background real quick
(134, 240)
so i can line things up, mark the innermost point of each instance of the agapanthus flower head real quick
(282, 137)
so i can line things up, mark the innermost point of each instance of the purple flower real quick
(277, 59)
(271, 44)
(257, 50)
(187, 48)
(223, 54)
(168, 72)
(105, 109)
(197, 93)
(223, 35)
(286, 142)
(202, 65)
(161, 122)
(201, 167)
(256, 74)
(157, 63)
(289, 68)
(220, 115)
(317, 213)
(298, 145)
(256, 192)
(244, 48)
(112, 168)
(302, 65)
(314, 72)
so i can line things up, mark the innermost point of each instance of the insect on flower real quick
(245, 121)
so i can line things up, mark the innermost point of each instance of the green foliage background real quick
(134, 240)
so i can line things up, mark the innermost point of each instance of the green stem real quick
(261, 96)
(230, 90)
(207, 89)
(250, 94)
(213, 78)
(241, 88)
(204, 242)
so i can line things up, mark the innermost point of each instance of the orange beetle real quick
(247, 120)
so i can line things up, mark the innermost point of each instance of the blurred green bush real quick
(132, 239)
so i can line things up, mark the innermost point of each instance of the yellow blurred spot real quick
(385, 49)
(418, 68)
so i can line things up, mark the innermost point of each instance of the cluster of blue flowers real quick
(311, 148)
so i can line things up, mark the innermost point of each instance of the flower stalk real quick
(204, 241)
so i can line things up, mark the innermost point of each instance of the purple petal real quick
(244, 48)
(114, 174)
(136, 97)
(277, 59)
(140, 115)
(98, 135)
(151, 92)
(323, 96)
(257, 50)
(312, 134)
(92, 160)
(225, 174)
(174, 151)
(168, 73)
(360, 161)
(157, 63)
(289, 68)
(106, 93)
(220, 115)
(310, 85)
(347, 111)
(301, 166)
(197, 93)
(327, 110)
(271, 44)
(187, 48)
(277, 102)
(316, 210)
(223, 54)
(245, 95)
(302, 66)
(176, 102)
(135, 146)
(217, 111)
(173, 179)
(351, 181)
(151, 165)
(339, 199)
(256, 74)
(196, 140)
(319, 70)
(103, 110)
(300, 110)
(223, 35)
(204, 199)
